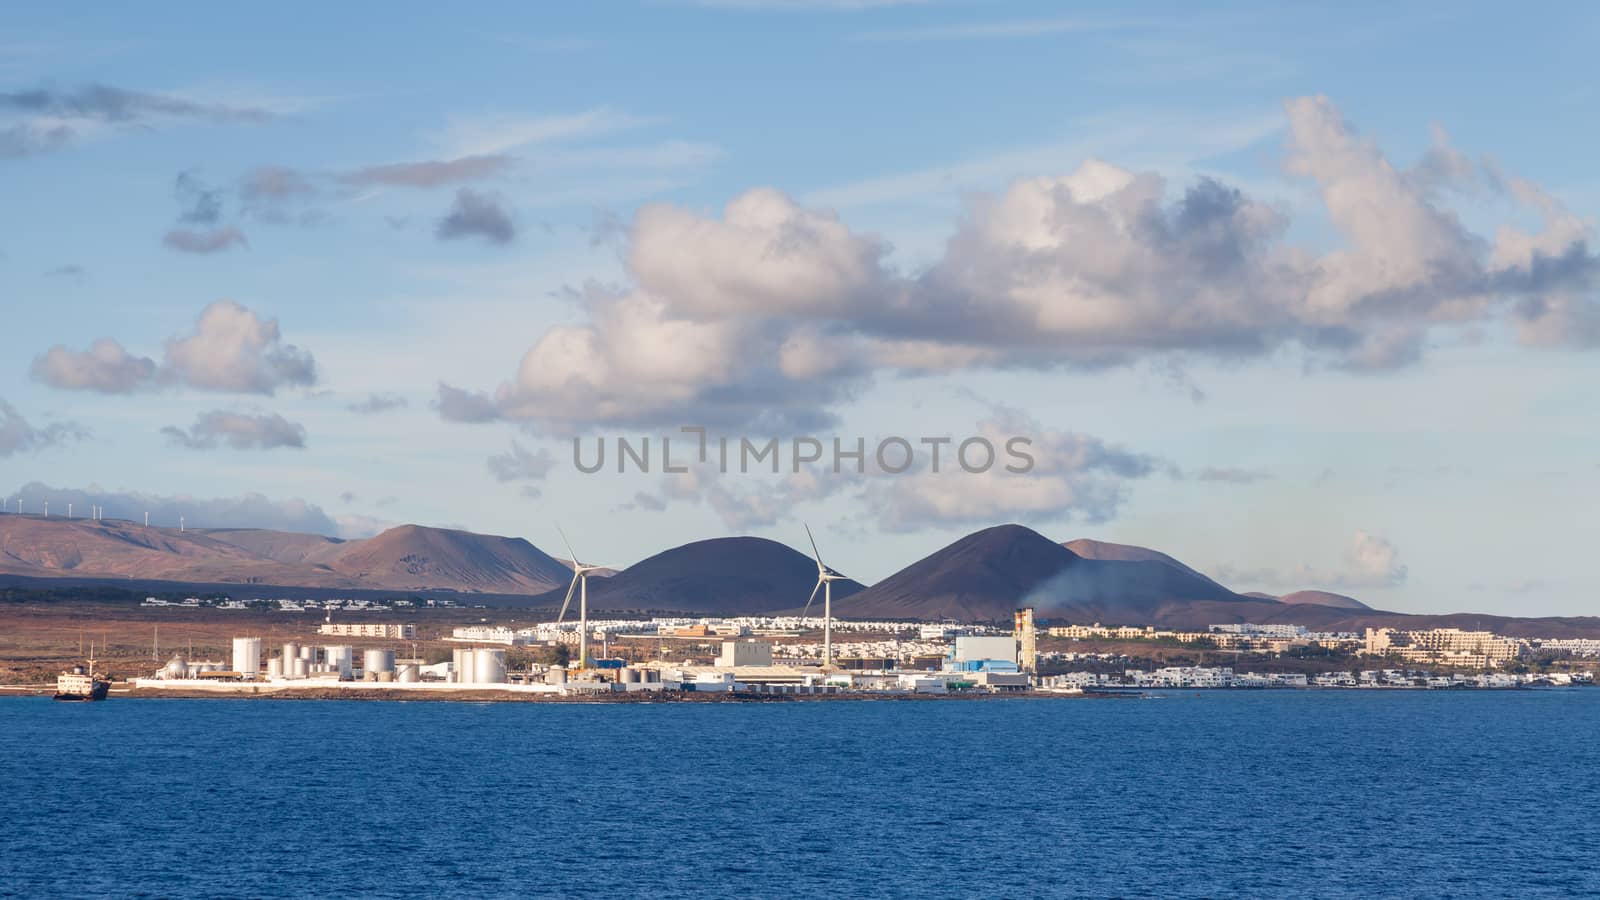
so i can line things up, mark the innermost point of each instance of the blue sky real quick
(1304, 298)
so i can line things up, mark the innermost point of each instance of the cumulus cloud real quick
(476, 215)
(212, 240)
(431, 173)
(964, 480)
(246, 511)
(521, 464)
(377, 403)
(233, 349)
(17, 435)
(457, 405)
(1071, 477)
(105, 367)
(51, 118)
(1370, 561)
(238, 431)
(778, 311)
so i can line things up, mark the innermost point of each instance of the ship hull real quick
(98, 692)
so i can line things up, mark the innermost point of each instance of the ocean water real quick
(1219, 794)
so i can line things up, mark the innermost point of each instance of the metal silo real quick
(275, 667)
(291, 652)
(461, 665)
(376, 662)
(247, 656)
(408, 673)
(490, 666)
(301, 668)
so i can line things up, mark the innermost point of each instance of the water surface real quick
(1324, 793)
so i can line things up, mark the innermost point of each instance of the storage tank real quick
(462, 664)
(630, 676)
(377, 662)
(340, 658)
(302, 668)
(555, 676)
(291, 652)
(408, 673)
(490, 666)
(275, 667)
(308, 653)
(247, 656)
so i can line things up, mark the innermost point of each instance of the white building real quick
(369, 630)
(745, 653)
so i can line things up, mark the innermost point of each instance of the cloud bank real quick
(772, 313)
(246, 511)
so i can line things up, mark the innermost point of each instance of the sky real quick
(1305, 298)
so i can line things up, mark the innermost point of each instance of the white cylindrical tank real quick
(275, 667)
(408, 673)
(247, 656)
(461, 665)
(301, 668)
(556, 676)
(291, 652)
(377, 661)
(630, 676)
(490, 666)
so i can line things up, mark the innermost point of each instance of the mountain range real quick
(984, 576)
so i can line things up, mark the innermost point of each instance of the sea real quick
(1176, 794)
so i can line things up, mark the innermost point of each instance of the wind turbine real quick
(825, 579)
(580, 583)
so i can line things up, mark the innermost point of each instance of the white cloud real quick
(231, 350)
(18, 435)
(105, 367)
(239, 431)
(490, 136)
(521, 464)
(1370, 562)
(773, 311)
(245, 511)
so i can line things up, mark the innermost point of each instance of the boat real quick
(82, 684)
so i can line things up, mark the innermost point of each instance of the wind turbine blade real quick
(567, 602)
(570, 555)
(811, 598)
(814, 550)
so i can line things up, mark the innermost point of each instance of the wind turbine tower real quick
(825, 579)
(580, 583)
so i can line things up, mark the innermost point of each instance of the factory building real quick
(983, 654)
(390, 630)
(745, 653)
